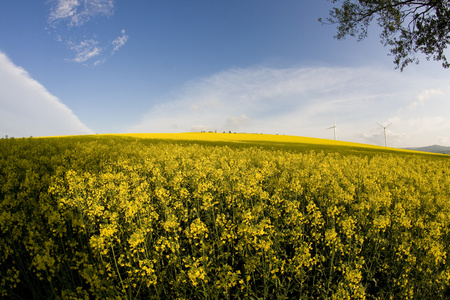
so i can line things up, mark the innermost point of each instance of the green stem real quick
(117, 269)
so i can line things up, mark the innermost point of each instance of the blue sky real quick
(255, 66)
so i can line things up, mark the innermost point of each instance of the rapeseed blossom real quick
(119, 218)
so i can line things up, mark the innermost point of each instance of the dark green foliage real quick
(408, 26)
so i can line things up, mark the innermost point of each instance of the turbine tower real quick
(384, 128)
(334, 127)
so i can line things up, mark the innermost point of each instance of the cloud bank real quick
(66, 16)
(28, 109)
(306, 101)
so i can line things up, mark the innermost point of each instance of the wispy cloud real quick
(119, 41)
(76, 13)
(304, 101)
(67, 16)
(85, 50)
(27, 108)
(63, 9)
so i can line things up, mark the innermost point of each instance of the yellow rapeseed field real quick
(172, 217)
(247, 137)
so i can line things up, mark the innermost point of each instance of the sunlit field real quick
(248, 138)
(236, 137)
(221, 216)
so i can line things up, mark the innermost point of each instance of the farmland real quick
(221, 216)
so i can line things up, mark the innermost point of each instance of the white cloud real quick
(305, 101)
(424, 96)
(63, 9)
(28, 109)
(119, 41)
(85, 50)
(444, 140)
(99, 62)
(237, 121)
(66, 17)
(426, 124)
(375, 136)
(74, 13)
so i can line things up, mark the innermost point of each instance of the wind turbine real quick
(384, 128)
(334, 127)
